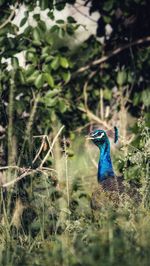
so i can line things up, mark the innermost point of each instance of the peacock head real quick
(101, 137)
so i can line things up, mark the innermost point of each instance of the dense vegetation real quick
(47, 105)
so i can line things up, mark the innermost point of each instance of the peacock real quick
(110, 185)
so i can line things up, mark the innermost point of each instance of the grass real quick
(39, 228)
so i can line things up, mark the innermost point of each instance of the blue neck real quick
(105, 168)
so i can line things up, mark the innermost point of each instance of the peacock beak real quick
(88, 137)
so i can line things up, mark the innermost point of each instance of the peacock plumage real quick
(110, 186)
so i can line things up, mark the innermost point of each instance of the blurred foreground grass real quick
(57, 227)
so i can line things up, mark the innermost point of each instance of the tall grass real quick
(110, 236)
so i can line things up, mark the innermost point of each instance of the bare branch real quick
(83, 14)
(52, 145)
(40, 149)
(10, 17)
(12, 182)
(27, 171)
(94, 117)
(113, 53)
(44, 138)
(10, 166)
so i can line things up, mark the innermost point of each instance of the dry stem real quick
(51, 147)
(10, 17)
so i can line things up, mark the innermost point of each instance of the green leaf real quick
(43, 57)
(71, 20)
(52, 93)
(39, 82)
(108, 5)
(2, 2)
(62, 106)
(15, 62)
(61, 33)
(60, 5)
(70, 29)
(29, 71)
(49, 79)
(49, 58)
(60, 21)
(42, 26)
(46, 49)
(23, 21)
(36, 43)
(107, 94)
(121, 77)
(50, 14)
(21, 77)
(33, 77)
(146, 97)
(107, 19)
(27, 31)
(30, 56)
(136, 99)
(36, 17)
(66, 76)
(49, 39)
(43, 4)
(46, 68)
(55, 28)
(55, 63)
(32, 49)
(64, 62)
(36, 35)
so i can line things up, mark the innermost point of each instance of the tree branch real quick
(113, 53)
(10, 17)
(95, 118)
(27, 172)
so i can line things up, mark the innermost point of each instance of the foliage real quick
(80, 237)
(50, 67)
(102, 80)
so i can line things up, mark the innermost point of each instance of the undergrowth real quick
(42, 225)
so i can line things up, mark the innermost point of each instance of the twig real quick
(113, 53)
(101, 104)
(10, 17)
(79, 129)
(104, 123)
(11, 145)
(29, 125)
(94, 117)
(85, 95)
(52, 145)
(83, 14)
(28, 171)
(10, 166)
(12, 182)
(48, 169)
(39, 136)
(40, 149)
(44, 137)
(66, 171)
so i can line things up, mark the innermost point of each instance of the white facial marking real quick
(94, 134)
(99, 137)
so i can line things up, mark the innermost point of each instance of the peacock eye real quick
(97, 135)
(100, 134)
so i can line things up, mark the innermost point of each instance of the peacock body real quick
(110, 185)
